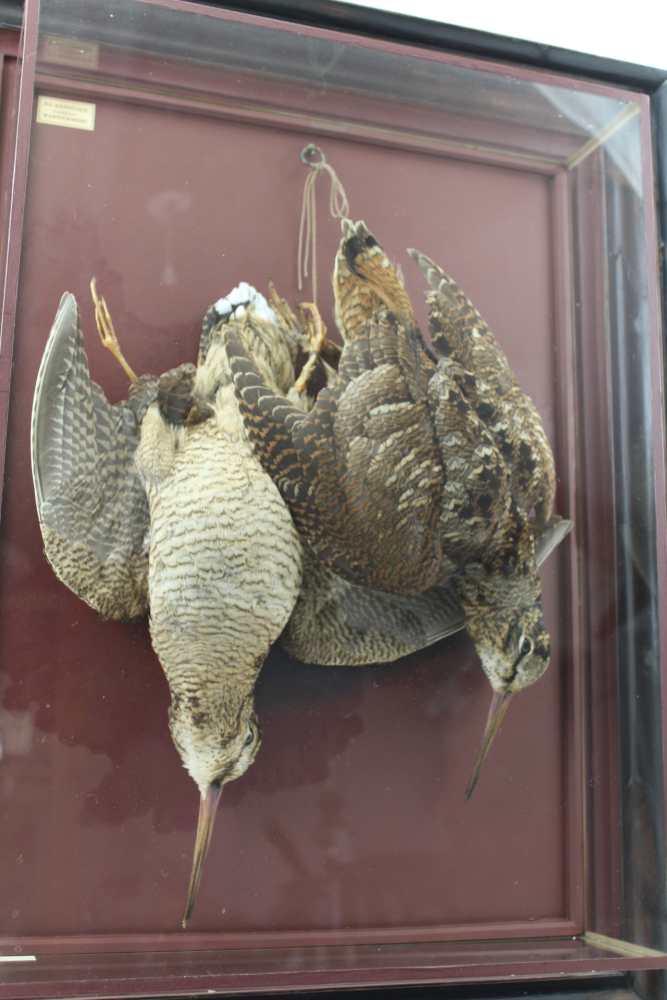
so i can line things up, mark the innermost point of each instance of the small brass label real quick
(70, 52)
(68, 114)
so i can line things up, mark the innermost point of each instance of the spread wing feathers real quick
(91, 505)
(337, 623)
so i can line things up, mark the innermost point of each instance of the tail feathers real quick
(438, 280)
(433, 273)
(452, 314)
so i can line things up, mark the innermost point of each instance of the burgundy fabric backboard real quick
(352, 823)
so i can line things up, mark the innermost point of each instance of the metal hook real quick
(307, 154)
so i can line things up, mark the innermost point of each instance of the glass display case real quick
(159, 150)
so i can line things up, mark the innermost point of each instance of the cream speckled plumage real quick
(222, 566)
(225, 571)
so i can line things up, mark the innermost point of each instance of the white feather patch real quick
(239, 299)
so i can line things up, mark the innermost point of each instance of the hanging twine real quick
(339, 208)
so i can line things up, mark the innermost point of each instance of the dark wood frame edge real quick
(468, 41)
(653, 82)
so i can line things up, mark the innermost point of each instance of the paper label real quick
(68, 114)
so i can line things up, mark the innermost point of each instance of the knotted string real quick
(339, 208)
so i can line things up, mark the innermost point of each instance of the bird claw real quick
(106, 331)
(317, 336)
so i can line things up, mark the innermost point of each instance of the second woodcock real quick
(420, 467)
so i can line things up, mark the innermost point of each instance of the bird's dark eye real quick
(249, 738)
(526, 646)
(370, 241)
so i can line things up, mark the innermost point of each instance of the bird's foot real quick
(315, 328)
(105, 329)
(317, 336)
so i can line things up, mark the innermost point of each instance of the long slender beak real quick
(500, 702)
(208, 806)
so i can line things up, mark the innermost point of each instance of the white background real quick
(634, 31)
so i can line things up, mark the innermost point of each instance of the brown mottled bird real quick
(458, 331)
(158, 503)
(397, 481)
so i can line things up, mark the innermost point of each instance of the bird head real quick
(502, 603)
(215, 748)
(514, 648)
(365, 279)
(513, 644)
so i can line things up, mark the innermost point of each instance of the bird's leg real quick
(105, 328)
(317, 335)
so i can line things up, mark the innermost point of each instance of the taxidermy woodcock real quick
(413, 470)
(158, 505)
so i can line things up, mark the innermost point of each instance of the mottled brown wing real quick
(91, 504)
(360, 471)
(269, 419)
(370, 456)
(273, 425)
(338, 623)
(459, 332)
(386, 339)
(476, 492)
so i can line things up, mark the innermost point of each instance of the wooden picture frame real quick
(604, 391)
